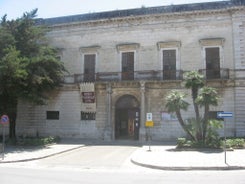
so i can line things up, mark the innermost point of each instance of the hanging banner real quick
(88, 97)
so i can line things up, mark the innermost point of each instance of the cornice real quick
(92, 48)
(127, 46)
(141, 18)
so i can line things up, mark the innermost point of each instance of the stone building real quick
(123, 63)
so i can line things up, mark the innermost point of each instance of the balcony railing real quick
(167, 75)
(125, 76)
(223, 73)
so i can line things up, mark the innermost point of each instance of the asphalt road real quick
(105, 164)
(92, 157)
(60, 176)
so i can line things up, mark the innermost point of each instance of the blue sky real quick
(56, 8)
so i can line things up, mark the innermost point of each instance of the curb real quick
(191, 168)
(41, 157)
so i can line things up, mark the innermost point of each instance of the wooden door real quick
(169, 64)
(89, 68)
(128, 66)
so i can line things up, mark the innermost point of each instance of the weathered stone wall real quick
(146, 35)
(32, 121)
(147, 32)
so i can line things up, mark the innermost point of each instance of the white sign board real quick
(148, 116)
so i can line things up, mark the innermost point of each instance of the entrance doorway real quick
(127, 118)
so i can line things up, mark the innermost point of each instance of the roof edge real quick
(142, 11)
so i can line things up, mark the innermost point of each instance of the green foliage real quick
(29, 67)
(27, 62)
(212, 138)
(37, 141)
(193, 126)
(193, 80)
(175, 100)
(233, 143)
(200, 129)
(207, 96)
(236, 143)
(181, 142)
(176, 103)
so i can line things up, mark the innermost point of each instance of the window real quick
(170, 59)
(128, 66)
(88, 116)
(89, 67)
(52, 115)
(212, 56)
(127, 54)
(169, 64)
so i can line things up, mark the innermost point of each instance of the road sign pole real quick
(4, 121)
(149, 138)
(149, 124)
(3, 145)
(225, 141)
(225, 115)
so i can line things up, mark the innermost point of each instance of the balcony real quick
(153, 75)
(166, 75)
(223, 73)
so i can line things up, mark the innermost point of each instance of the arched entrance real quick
(127, 118)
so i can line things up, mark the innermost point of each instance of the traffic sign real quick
(224, 114)
(149, 116)
(4, 119)
(149, 123)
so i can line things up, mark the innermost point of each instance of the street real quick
(105, 164)
(63, 176)
(92, 157)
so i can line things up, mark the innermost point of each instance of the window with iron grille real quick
(88, 116)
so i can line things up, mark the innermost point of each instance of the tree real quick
(29, 67)
(176, 103)
(194, 81)
(196, 127)
(208, 96)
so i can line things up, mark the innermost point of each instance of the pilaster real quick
(108, 132)
(142, 131)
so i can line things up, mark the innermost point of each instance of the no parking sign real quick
(4, 119)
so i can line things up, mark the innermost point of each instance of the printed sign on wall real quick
(168, 116)
(88, 97)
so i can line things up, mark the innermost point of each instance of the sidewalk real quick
(168, 158)
(20, 154)
(163, 157)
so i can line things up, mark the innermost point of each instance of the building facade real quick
(123, 63)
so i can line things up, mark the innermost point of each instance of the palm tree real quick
(194, 81)
(208, 96)
(176, 103)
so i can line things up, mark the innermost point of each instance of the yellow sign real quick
(149, 123)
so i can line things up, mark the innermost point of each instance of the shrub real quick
(235, 143)
(181, 142)
(37, 141)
